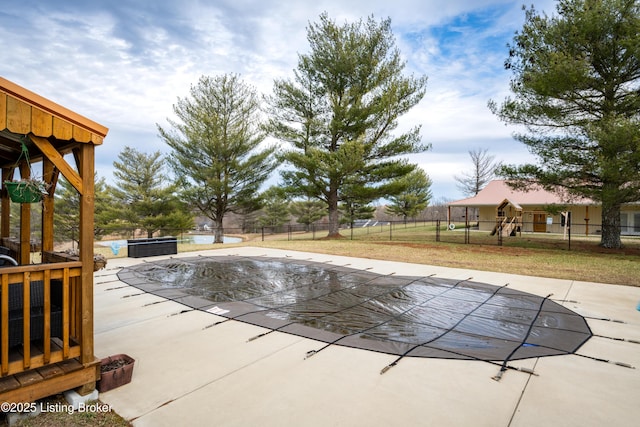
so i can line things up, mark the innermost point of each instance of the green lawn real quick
(532, 254)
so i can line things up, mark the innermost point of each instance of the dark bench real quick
(139, 248)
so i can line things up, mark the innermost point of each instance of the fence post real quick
(263, 234)
(390, 231)
(466, 229)
(437, 230)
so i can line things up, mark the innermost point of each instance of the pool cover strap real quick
(498, 376)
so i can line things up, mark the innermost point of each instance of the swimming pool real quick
(197, 239)
(423, 316)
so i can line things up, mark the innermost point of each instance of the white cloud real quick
(125, 63)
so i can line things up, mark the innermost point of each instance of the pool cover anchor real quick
(632, 341)
(497, 377)
(613, 362)
(261, 335)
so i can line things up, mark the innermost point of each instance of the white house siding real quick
(586, 214)
(629, 219)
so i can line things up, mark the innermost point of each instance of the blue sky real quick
(124, 63)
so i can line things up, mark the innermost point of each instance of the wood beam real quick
(49, 173)
(56, 158)
(86, 156)
(73, 375)
(5, 205)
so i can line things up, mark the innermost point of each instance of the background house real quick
(541, 211)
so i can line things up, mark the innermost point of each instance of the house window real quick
(629, 223)
(624, 220)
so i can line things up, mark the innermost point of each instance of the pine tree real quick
(576, 86)
(216, 148)
(144, 196)
(339, 112)
(414, 199)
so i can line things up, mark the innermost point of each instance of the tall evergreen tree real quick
(339, 112)
(576, 86)
(354, 209)
(307, 211)
(144, 196)
(216, 148)
(66, 217)
(275, 207)
(415, 198)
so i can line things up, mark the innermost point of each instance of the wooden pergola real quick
(49, 357)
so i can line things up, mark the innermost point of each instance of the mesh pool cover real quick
(401, 315)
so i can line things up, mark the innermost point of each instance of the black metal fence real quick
(545, 234)
(527, 234)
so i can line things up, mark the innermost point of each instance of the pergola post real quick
(86, 160)
(5, 205)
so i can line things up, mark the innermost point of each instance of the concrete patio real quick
(187, 373)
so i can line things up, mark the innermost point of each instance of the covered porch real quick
(46, 300)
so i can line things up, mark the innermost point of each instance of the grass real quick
(58, 414)
(588, 267)
(544, 255)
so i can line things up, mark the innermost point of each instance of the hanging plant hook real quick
(24, 152)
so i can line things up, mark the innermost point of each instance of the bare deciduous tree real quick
(484, 168)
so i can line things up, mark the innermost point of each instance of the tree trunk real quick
(610, 226)
(218, 232)
(334, 220)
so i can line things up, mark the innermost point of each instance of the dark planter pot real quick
(114, 372)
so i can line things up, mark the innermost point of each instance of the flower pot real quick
(24, 191)
(114, 372)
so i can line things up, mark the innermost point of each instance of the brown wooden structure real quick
(46, 309)
(508, 218)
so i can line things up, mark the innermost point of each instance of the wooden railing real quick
(41, 298)
(507, 224)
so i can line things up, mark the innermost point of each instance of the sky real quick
(125, 63)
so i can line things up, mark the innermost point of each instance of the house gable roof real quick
(498, 190)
